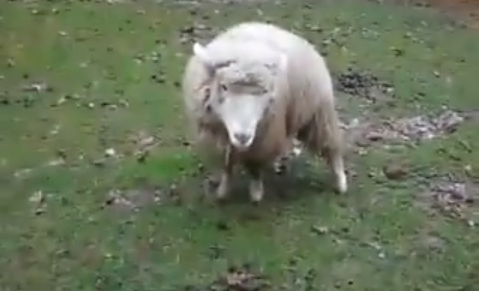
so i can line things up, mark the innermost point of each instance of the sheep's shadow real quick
(304, 176)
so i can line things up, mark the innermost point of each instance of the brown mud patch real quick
(405, 131)
(453, 197)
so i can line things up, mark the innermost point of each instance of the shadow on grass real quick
(304, 177)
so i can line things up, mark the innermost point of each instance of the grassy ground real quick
(88, 88)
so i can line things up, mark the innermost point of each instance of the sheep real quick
(254, 89)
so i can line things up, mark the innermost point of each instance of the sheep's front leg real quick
(256, 191)
(223, 187)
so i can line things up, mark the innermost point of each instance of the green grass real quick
(94, 53)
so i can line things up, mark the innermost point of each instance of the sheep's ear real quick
(204, 56)
(201, 52)
(283, 63)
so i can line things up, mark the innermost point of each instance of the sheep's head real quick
(241, 93)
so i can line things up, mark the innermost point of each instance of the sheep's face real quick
(241, 99)
(241, 94)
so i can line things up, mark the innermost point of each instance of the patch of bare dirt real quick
(144, 143)
(132, 200)
(242, 278)
(455, 198)
(197, 31)
(363, 84)
(246, 278)
(404, 131)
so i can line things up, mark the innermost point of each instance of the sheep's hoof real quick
(256, 191)
(222, 190)
(221, 193)
(280, 167)
(342, 183)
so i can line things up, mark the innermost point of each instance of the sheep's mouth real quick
(242, 142)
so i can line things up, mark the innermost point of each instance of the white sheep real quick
(252, 90)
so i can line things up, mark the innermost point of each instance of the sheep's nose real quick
(243, 138)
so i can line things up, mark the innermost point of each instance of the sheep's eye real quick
(207, 93)
(263, 91)
(223, 88)
(208, 108)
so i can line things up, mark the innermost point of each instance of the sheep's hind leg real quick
(328, 142)
(256, 189)
(335, 161)
(224, 185)
(333, 149)
(281, 164)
